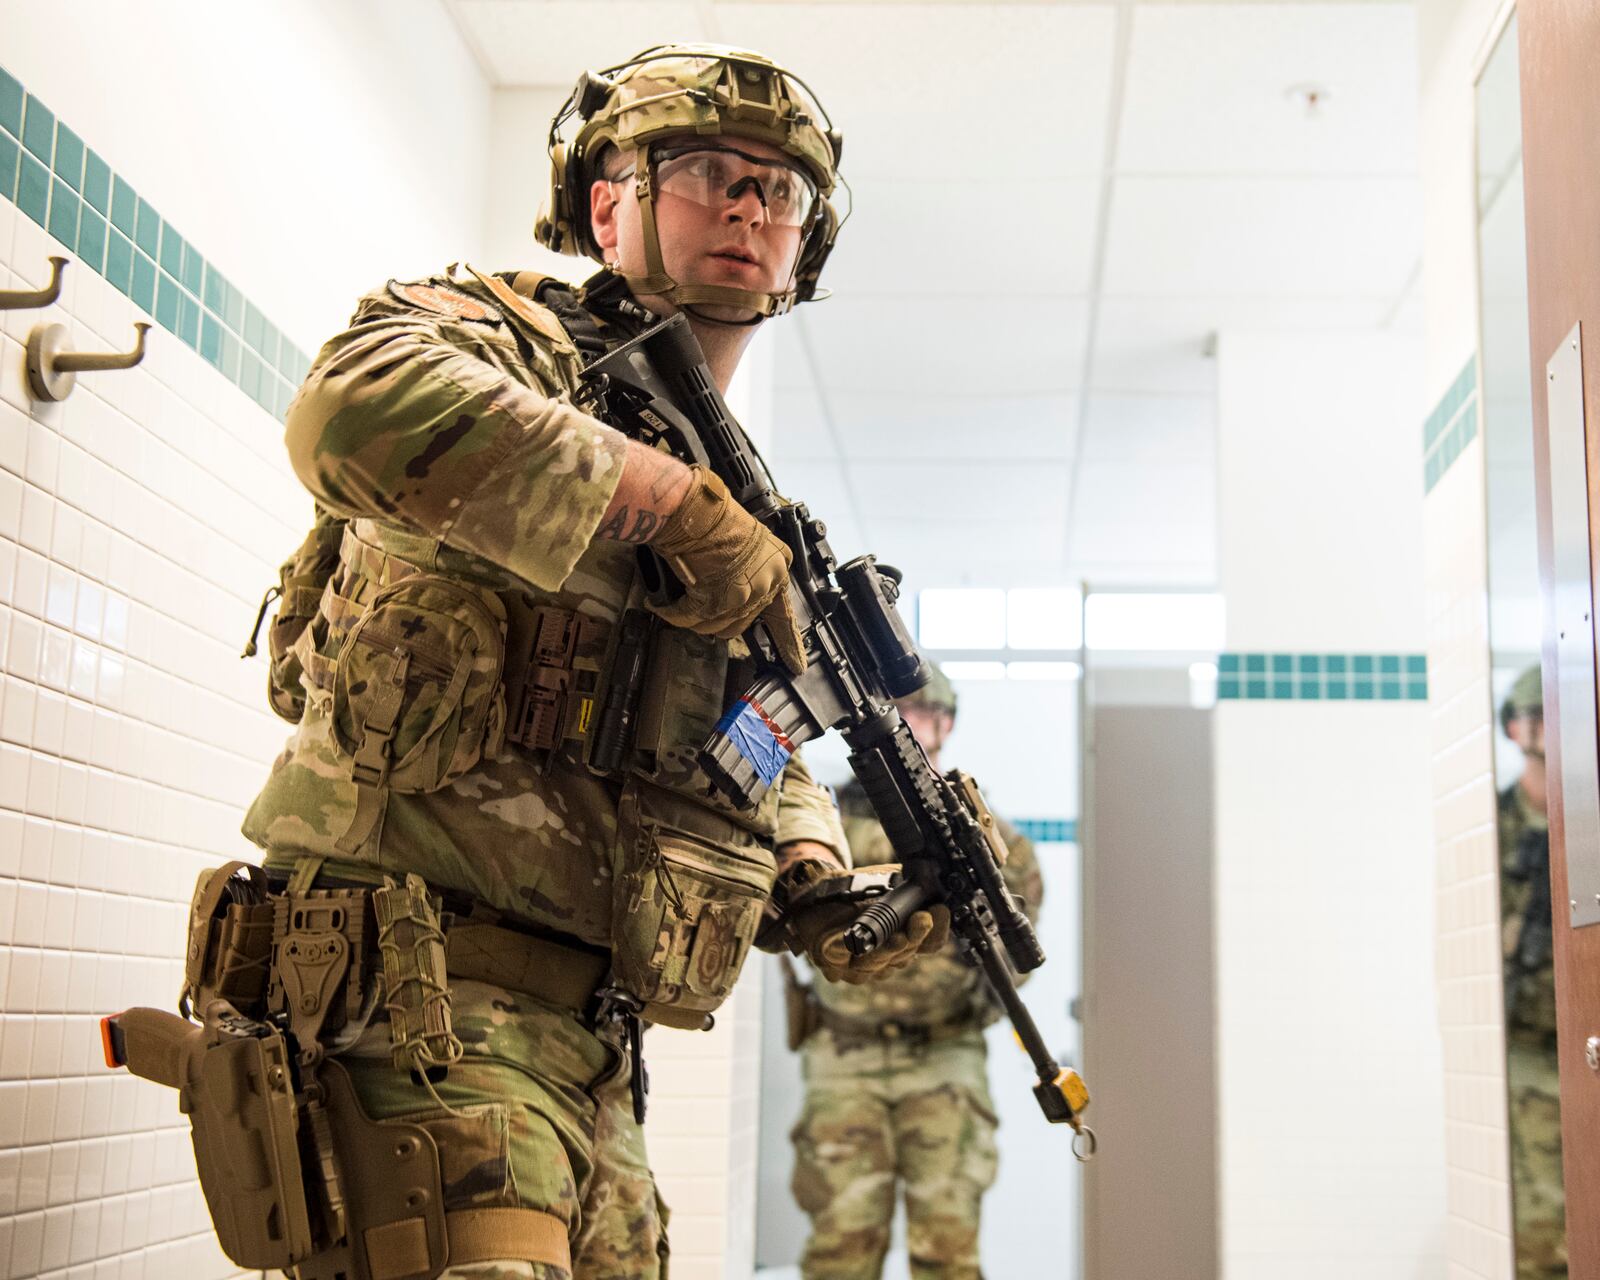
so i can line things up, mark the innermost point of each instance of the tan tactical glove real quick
(816, 929)
(732, 569)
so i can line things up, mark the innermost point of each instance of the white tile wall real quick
(1331, 1103)
(140, 521)
(1468, 945)
(1478, 1246)
(702, 1131)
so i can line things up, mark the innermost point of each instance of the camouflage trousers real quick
(1538, 1197)
(545, 1121)
(882, 1118)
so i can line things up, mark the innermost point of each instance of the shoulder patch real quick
(444, 301)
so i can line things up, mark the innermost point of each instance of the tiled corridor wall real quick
(1330, 1114)
(139, 521)
(1450, 468)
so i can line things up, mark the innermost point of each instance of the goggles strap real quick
(688, 296)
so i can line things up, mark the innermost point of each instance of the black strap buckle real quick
(617, 1007)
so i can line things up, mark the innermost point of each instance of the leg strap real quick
(400, 1249)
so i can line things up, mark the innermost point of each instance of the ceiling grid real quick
(1057, 208)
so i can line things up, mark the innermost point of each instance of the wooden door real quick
(1559, 54)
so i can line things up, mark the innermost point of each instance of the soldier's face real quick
(733, 243)
(1527, 731)
(930, 726)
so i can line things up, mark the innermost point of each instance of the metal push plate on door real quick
(1573, 609)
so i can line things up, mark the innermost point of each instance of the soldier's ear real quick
(603, 199)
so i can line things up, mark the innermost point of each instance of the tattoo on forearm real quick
(616, 529)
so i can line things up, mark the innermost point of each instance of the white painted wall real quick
(1330, 1103)
(310, 148)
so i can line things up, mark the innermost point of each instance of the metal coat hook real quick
(15, 300)
(52, 371)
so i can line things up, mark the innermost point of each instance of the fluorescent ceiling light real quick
(1043, 670)
(961, 618)
(1044, 618)
(1148, 621)
(974, 670)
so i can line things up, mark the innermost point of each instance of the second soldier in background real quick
(897, 1089)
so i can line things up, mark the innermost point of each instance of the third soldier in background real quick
(1538, 1198)
(897, 1088)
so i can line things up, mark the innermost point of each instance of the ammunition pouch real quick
(554, 658)
(229, 946)
(689, 890)
(276, 1152)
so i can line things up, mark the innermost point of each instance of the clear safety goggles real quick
(714, 176)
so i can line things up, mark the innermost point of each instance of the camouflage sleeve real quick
(419, 419)
(1021, 872)
(806, 811)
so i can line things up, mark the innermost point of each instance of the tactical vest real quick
(446, 725)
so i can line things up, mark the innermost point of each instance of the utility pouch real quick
(301, 579)
(236, 1082)
(417, 698)
(686, 908)
(417, 994)
(229, 946)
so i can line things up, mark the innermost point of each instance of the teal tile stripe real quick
(60, 182)
(1451, 426)
(1322, 677)
(1048, 830)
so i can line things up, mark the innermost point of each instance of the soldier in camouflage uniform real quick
(1538, 1198)
(478, 543)
(897, 1088)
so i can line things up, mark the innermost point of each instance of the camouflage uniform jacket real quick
(440, 425)
(938, 990)
(1525, 920)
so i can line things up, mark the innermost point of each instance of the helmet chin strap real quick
(689, 297)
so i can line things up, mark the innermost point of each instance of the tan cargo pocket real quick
(417, 698)
(691, 913)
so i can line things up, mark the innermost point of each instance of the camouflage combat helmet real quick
(938, 692)
(1527, 694)
(697, 89)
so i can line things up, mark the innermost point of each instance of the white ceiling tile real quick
(1207, 89)
(947, 552)
(549, 42)
(924, 90)
(1160, 344)
(1150, 429)
(929, 425)
(967, 492)
(921, 236)
(1137, 512)
(941, 345)
(1263, 237)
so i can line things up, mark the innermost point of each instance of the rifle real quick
(658, 389)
